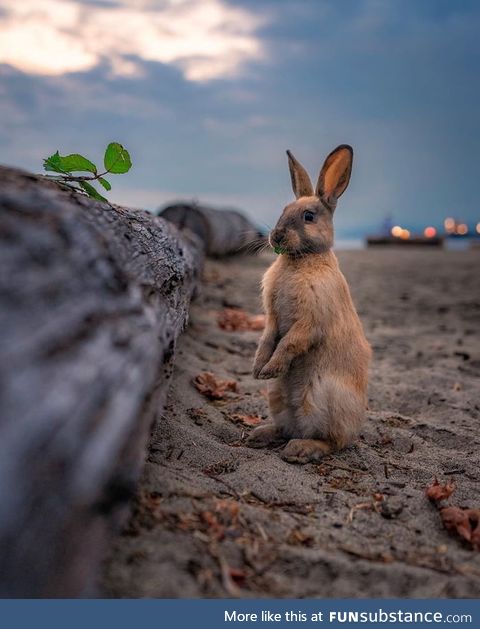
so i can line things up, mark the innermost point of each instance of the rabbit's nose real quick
(277, 236)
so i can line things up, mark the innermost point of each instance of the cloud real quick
(205, 40)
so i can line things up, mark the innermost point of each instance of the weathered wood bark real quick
(92, 299)
(224, 232)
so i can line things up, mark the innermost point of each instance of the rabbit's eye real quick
(308, 217)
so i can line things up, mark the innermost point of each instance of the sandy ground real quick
(214, 518)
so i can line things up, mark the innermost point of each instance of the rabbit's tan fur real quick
(313, 344)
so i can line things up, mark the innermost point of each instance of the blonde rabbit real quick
(313, 345)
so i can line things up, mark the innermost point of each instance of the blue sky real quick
(208, 94)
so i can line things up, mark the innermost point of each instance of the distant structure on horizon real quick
(395, 234)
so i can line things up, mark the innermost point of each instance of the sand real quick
(214, 518)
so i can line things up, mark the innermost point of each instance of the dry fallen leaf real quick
(229, 510)
(435, 491)
(297, 537)
(257, 322)
(199, 415)
(212, 387)
(238, 576)
(248, 420)
(464, 522)
(215, 529)
(474, 515)
(233, 319)
(187, 521)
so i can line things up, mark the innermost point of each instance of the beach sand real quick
(214, 518)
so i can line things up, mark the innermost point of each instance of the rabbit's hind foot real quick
(305, 450)
(265, 435)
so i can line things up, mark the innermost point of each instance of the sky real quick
(208, 94)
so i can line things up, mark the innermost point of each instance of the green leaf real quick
(53, 163)
(117, 160)
(69, 163)
(90, 190)
(76, 162)
(105, 183)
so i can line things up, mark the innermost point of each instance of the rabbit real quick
(313, 346)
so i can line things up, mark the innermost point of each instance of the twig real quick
(232, 590)
(361, 505)
(227, 485)
(262, 531)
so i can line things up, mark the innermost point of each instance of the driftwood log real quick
(223, 232)
(92, 299)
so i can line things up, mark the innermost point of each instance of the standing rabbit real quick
(313, 344)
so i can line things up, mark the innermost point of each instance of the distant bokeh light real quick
(449, 224)
(397, 231)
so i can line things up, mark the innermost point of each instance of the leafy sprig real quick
(116, 162)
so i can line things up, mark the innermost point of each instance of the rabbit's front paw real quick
(272, 369)
(257, 367)
(263, 355)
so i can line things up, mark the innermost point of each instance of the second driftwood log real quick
(223, 232)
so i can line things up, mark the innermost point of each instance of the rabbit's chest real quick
(286, 305)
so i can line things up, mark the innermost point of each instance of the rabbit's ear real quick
(301, 184)
(335, 174)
